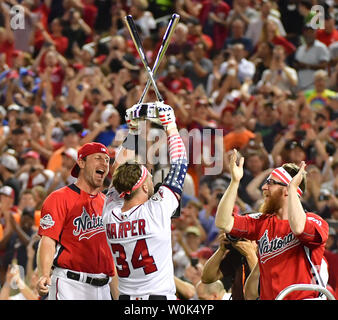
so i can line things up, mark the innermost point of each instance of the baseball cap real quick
(68, 131)
(9, 162)
(193, 230)
(106, 114)
(7, 191)
(29, 212)
(71, 153)
(3, 111)
(31, 154)
(14, 107)
(204, 253)
(86, 150)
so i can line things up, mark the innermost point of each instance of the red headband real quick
(139, 182)
(283, 175)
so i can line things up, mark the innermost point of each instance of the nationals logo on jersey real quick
(87, 226)
(269, 249)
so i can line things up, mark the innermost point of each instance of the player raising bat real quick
(291, 242)
(137, 221)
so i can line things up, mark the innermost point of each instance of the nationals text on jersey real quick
(270, 249)
(134, 227)
(87, 226)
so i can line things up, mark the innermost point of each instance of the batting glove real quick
(166, 115)
(132, 121)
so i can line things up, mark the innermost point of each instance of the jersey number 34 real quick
(139, 259)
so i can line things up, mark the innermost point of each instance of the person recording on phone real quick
(231, 264)
(279, 74)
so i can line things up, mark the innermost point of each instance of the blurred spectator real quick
(329, 34)
(279, 74)
(310, 56)
(213, 15)
(63, 177)
(227, 265)
(70, 140)
(7, 213)
(51, 68)
(239, 137)
(28, 200)
(262, 59)
(237, 65)
(175, 81)
(20, 238)
(179, 46)
(270, 34)
(8, 167)
(212, 291)
(196, 34)
(107, 125)
(237, 36)
(242, 10)
(198, 68)
(255, 27)
(6, 37)
(317, 98)
(143, 18)
(14, 281)
(192, 238)
(291, 19)
(75, 29)
(33, 173)
(55, 37)
(304, 8)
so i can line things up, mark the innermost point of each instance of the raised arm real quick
(224, 219)
(177, 153)
(296, 213)
(211, 270)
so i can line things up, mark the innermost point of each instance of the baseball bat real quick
(161, 52)
(139, 47)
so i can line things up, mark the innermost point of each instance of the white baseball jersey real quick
(140, 242)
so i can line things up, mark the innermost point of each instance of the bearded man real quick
(291, 242)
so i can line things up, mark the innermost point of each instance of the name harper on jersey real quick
(125, 229)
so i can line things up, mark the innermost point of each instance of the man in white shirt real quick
(244, 68)
(311, 56)
(279, 74)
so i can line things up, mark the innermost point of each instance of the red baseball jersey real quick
(73, 218)
(281, 256)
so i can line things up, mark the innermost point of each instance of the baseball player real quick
(74, 259)
(138, 222)
(291, 242)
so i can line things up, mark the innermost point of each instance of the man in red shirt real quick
(74, 258)
(330, 33)
(213, 16)
(291, 242)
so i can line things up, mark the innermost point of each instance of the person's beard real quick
(273, 203)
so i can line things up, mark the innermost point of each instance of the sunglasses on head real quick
(271, 182)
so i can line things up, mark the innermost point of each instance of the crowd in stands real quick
(255, 75)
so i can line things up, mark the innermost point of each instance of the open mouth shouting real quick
(100, 173)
